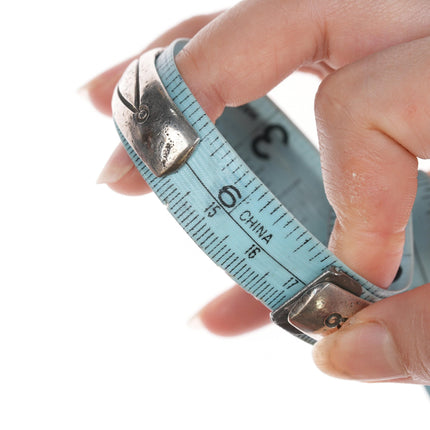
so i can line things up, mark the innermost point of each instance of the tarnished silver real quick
(148, 118)
(321, 307)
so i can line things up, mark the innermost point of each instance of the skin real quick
(372, 112)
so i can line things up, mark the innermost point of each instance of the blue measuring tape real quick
(229, 185)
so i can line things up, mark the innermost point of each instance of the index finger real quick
(245, 52)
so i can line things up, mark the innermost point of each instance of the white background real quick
(96, 288)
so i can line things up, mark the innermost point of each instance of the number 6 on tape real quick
(229, 184)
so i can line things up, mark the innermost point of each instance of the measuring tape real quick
(229, 187)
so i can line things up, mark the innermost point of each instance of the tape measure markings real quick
(264, 248)
(313, 158)
(234, 220)
(214, 182)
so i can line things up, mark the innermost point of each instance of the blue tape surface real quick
(231, 197)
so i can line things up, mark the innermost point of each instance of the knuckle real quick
(339, 115)
(330, 99)
(418, 356)
(422, 371)
(412, 332)
(417, 364)
(420, 136)
(339, 100)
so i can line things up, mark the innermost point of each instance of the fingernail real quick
(365, 352)
(196, 322)
(118, 165)
(84, 92)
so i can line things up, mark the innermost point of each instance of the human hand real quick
(372, 112)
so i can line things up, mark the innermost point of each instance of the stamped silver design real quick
(149, 119)
(322, 307)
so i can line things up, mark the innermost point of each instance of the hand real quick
(373, 119)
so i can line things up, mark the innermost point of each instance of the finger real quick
(373, 123)
(100, 89)
(119, 172)
(387, 341)
(265, 40)
(232, 313)
(276, 37)
(121, 175)
(282, 37)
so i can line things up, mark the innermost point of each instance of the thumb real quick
(387, 341)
